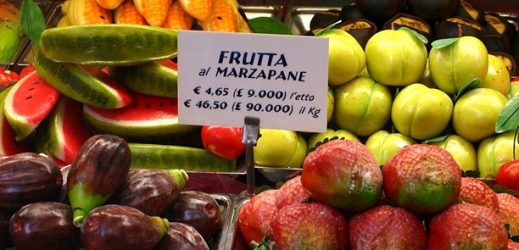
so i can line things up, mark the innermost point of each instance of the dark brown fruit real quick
(350, 12)
(496, 24)
(409, 21)
(151, 191)
(116, 227)
(181, 236)
(197, 209)
(324, 18)
(379, 11)
(44, 225)
(498, 43)
(509, 61)
(432, 10)
(361, 29)
(458, 27)
(472, 11)
(5, 238)
(26, 178)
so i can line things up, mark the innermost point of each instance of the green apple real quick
(395, 57)
(476, 112)
(362, 106)
(494, 151)
(384, 145)
(346, 58)
(497, 76)
(462, 150)
(421, 112)
(315, 138)
(458, 63)
(299, 155)
(330, 105)
(279, 148)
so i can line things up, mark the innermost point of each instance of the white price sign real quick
(281, 79)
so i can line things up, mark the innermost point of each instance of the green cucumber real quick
(151, 78)
(108, 44)
(157, 156)
(90, 86)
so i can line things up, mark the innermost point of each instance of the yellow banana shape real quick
(81, 12)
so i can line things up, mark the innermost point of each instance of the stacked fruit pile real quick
(344, 200)
(99, 202)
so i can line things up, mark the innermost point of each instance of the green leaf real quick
(508, 119)
(436, 139)
(442, 43)
(415, 33)
(468, 87)
(32, 20)
(329, 27)
(269, 25)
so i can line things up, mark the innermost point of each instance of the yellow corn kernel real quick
(178, 18)
(154, 11)
(127, 13)
(199, 9)
(82, 12)
(110, 4)
(224, 17)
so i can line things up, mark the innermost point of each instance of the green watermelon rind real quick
(148, 78)
(167, 131)
(78, 84)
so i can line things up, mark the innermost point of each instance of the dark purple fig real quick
(350, 12)
(324, 18)
(150, 190)
(182, 236)
(44, 226)
(361, 29)
(470, 10)
(458, 27)
(5, 238)
(198, 209)
(433, 10)
(26, 178)
(100, 167)
(117, 227)
(411, 22)
(496, 24)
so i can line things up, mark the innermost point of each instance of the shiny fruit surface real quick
(497, 76)
(384, 144)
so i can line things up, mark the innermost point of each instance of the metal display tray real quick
(227, 207)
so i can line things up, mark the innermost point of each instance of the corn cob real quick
(154, 11)
(199, 9)
(225, 18)
(81, 12)
(110, 4)
(127, 13)
(178, 18)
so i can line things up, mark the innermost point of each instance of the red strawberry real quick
(292, 192)
(386, 227)
(309, 226)
(255, 215)
(343, 174)
(422, 178)
(477, 192)
(509, 212)
(467, 226)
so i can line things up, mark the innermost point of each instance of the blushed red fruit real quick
(343, 174)
(291, 192)
(467, 226)
(422, 178)
(508, 175)
(477, 192)
(512, 245)
(386, 227)
(509, 212)
(255, 215)
(309, 226)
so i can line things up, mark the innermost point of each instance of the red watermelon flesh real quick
(28, 102)
(125, 94)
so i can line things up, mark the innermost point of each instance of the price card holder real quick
(228, 79)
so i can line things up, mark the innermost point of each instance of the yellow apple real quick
(497, 76)
(315, 138)
(384, 145)
(476, 112)
(421, 112)
(277, 147)
(462, 150)
(494, 151)
(362, 106)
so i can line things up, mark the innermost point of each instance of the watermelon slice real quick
(149, 119)
(63, 132)
(8, 143)
(28, 102)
